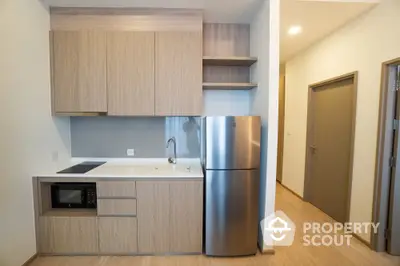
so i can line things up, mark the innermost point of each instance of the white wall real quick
(225, 102)
(360, 46)
(29, 137)
(264, 35)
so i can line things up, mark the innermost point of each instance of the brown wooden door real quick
(79, 71)
(393, 241)
(178, 80)
(130, 73)
(330, 137)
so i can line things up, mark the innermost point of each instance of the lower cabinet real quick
(165, 217)
(186, 217)
(170, 216)
(153, 217)
(118, 235)
(68, 235)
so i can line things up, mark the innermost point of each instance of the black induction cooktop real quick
(81, 168)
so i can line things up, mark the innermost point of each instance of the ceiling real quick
(318, 19)
(217, 11)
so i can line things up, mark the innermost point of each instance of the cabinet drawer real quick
(116, 207)
(118, 235)
(116, 189)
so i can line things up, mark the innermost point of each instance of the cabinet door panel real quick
(79, 71)
(153, 216)
(130, 73)
(170, 216)
(118, 235)
(178, 73)
(186, 216)
(68, 235)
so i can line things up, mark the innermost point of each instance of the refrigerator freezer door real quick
(231, 213)
(232, 142)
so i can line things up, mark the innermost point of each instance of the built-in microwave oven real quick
(74, 195)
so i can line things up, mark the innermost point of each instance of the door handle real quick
(313, 148)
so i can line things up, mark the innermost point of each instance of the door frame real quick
(380, 208)
(281, 127)
(307, 178)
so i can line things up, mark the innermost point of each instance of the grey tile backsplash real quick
(112, 136)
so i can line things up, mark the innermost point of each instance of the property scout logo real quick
(279, 230)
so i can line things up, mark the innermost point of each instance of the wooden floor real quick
(357, 254)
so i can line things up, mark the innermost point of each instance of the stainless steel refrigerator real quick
(231, 160)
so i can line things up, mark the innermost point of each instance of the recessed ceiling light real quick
(294, 30)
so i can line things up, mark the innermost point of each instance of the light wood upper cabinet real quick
(130, 73)
(127, 73)
(68, 235)
(170, 216)
(79, 71)
(178, 80)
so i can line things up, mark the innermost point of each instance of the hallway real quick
(300, 212)
(355, 255)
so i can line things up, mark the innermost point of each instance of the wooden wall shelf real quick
(228, 60)
(228, 86)
(226, 57)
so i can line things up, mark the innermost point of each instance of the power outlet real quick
(130, 152)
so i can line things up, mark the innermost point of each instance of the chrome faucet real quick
(172, 160)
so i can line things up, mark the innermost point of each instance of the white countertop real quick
(137, 168)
